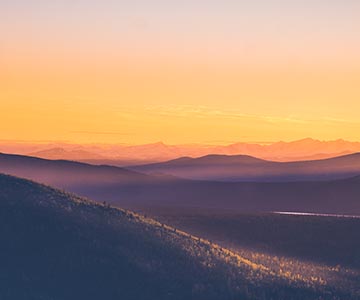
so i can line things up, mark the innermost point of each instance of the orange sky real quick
(179, 74)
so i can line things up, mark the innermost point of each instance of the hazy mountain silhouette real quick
(295, 150)
(155, 193)
(247, 168)
(59, 246)
(122, 154)
(61, 153)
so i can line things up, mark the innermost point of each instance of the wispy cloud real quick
(198, 111)
(209, 112)
(100, 132)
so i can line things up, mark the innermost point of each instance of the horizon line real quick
(202, 143)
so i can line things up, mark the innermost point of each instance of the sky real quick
(189, 71)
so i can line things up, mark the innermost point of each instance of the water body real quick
(314, 214)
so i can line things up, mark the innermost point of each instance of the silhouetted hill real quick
(247, 168)
(154, 193)
(59, 246)
(213, 159)
(66, 174)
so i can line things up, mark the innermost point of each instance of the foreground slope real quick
(59, 246)
(247, 168)
(326, 240)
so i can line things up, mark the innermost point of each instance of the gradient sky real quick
(186, 71)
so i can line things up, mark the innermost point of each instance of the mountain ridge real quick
(155, 194)
(246, 168)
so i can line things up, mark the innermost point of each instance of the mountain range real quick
(122, 154)
(155, 194)
(247, 168)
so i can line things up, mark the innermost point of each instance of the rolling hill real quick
(59, 246)
(247, 168)
(155, 194)
(67, 174)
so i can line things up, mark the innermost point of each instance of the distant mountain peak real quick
(62, 153)
(239, 157)
(307, 139)
(307, 148)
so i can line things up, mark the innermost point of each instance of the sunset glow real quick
(212, 72)
(180, 149)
